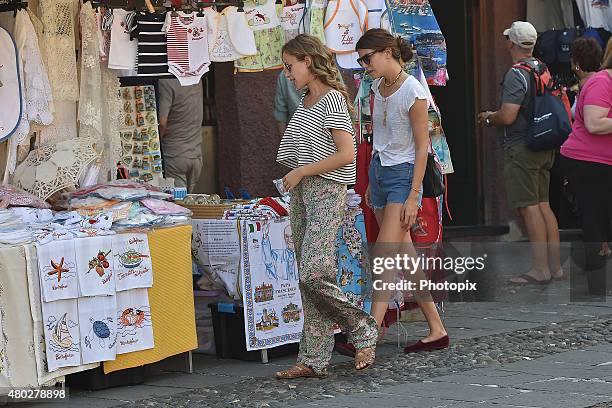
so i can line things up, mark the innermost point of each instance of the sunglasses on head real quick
(365, 59)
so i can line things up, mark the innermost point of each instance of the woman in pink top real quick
(588, 158)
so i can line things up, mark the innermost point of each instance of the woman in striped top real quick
(319, 147)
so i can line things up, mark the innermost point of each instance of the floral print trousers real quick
(317, 211)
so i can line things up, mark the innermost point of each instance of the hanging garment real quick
(134, 326)
(98, 328)
(91, 93)
(188, 55)
(316, 19)
(262, 15)
(550, 14)
(376, 8)
(37, 90)
(123, 50)
(152, 46)
(596, 13)
(58, 19)
(345, 23)
(95, 266)
(64, 126)
(58, 270)
(269, 37)
(62, 336)
(290, 20)
(418, 25)
(229, 35)
(10, 114)
(133, 268)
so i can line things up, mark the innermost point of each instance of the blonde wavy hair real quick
(323, 66)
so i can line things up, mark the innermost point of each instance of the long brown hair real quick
(378, 39)
(323, 66)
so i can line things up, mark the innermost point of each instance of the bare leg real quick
(552, 236)
(423, 298)
(390, 234)
(536, 230)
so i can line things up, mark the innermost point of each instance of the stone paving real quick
(534, 347)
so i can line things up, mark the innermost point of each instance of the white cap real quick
(522, 34)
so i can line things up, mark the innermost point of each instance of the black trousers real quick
(592, 184)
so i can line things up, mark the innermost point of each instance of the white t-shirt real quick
(123, 50)
(394, 142)
(596, 13)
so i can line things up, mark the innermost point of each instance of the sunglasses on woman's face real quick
(365, 59)
(288, 67)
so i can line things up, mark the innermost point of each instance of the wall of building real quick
(492, 62)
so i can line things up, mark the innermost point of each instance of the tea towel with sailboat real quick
(62, 337)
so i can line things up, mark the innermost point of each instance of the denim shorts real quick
(390, 184)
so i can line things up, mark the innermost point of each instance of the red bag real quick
(427, 231)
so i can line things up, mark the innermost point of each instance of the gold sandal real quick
(365, 356)
(298, 371)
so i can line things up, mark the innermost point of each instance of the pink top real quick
(582, 145)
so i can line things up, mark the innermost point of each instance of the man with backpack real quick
(529, 151)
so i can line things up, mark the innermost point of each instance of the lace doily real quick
(58, 19)
(50, 168)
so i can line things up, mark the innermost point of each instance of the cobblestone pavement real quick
(534, 347)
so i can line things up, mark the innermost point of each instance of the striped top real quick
(308, 138)
(152, 53)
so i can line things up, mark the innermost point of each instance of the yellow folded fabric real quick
(171, 300)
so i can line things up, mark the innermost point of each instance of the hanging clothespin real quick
(200, 9)
(241, 6)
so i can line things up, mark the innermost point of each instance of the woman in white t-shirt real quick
(319, 147)
(401, 140)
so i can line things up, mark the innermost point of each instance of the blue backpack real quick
(548, 112)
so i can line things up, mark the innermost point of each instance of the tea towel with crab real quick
(95, 266)
(58, 270)
(98, 327)
(134, 326)
(132, 261)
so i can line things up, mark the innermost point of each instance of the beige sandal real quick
(298, 371)
(365, 357)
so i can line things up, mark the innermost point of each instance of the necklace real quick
(394, 81)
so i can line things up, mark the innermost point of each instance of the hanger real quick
(200, 9)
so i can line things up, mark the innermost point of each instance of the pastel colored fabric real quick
(16, 197)
(161, 207)
(171, 300)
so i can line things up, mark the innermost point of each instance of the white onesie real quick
(188, 55)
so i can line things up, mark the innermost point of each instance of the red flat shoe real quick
(439, 344)
(346, 349)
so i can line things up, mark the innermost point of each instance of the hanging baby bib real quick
(345, 23)
(10, 86)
